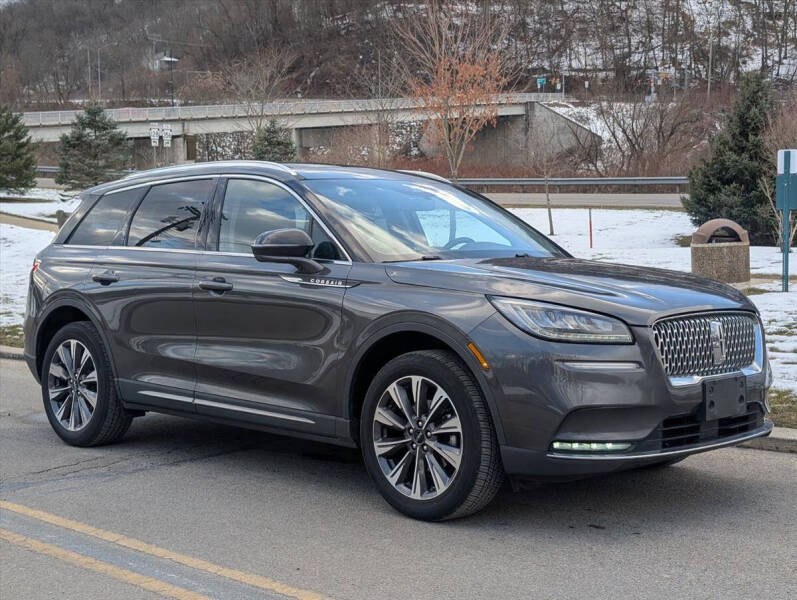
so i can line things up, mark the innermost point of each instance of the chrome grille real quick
(685, 344)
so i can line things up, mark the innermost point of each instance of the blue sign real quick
(785, 202)
(541, 82)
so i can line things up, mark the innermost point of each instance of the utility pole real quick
(88, 69)
(171, 60)
(99, 79)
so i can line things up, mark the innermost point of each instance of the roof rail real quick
(277, 165)
(425, 174)
(200, 165)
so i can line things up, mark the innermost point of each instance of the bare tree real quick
(257, 81)
(382, 84)
(545, 148)
(457, 69)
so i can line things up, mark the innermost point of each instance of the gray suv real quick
(392, 311)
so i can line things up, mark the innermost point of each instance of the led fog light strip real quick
(591, 446)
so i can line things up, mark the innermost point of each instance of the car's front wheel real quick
(427, 438)
(78, 389)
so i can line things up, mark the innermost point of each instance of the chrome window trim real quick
(138, 248)
(301, 201)
(154, 182)
(253, 411)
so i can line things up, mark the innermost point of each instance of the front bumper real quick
(544, 391)
(533, 463)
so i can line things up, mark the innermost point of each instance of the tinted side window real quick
(168, 217)
(252, 207)
(104, 225)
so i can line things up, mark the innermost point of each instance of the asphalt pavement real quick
(191, 510)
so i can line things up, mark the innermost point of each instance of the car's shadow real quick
(625, 503)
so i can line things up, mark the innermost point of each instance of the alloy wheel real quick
(72, 385)
(417, 437)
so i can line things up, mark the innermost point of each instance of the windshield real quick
(396, 220)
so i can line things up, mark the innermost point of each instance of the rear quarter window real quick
(104, 224)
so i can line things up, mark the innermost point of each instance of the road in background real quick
(720, 524)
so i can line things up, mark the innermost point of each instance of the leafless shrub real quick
(643, 137)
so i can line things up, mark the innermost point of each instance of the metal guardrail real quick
(282, 107)
(47, 170)
(521, 181)
(576, 181)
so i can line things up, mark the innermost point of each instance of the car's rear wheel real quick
(427, 438)
(78, 390)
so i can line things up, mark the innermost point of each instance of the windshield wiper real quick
(432, 257)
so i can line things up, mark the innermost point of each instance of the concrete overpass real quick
(311, 121)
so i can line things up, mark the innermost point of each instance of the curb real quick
(11, 352)
(782, 439)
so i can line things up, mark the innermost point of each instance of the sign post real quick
(785, 202)
(154, 136)
(166, 132)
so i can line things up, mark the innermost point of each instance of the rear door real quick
(269, 339)
(143, 286)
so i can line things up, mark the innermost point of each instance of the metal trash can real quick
(721, 251)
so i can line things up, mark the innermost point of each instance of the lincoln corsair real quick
(391, 311)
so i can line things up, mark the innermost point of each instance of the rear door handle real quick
(106, 278)
(218, 284)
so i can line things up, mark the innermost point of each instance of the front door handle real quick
(217, 284)
(106, 278)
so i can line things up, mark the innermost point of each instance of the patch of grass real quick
(754, 291)
(11, 335)
(784, 408)
(684, 241)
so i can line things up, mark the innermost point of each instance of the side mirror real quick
(286, 246)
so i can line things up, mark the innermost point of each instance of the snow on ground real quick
(779, 314)
(39, 210)
(38, 203)
(636, 237)
(37, 193)
(18, 246)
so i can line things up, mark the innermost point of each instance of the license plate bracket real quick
(726, 397)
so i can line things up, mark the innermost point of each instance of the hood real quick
(637, 295)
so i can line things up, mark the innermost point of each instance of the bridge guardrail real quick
(278, 107)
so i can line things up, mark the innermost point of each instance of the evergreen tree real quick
(17, 161)
(92, 150)
(272, 143)
(726, 184)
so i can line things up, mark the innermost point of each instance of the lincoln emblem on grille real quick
(718, 348)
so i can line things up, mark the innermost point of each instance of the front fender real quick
(431, 325)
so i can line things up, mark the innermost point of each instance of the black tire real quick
(480, 473)
(109, 421)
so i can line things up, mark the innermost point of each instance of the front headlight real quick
(560, 323)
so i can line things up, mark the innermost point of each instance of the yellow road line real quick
(92, 564)
(252, 579)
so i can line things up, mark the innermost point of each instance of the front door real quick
(269, 338)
